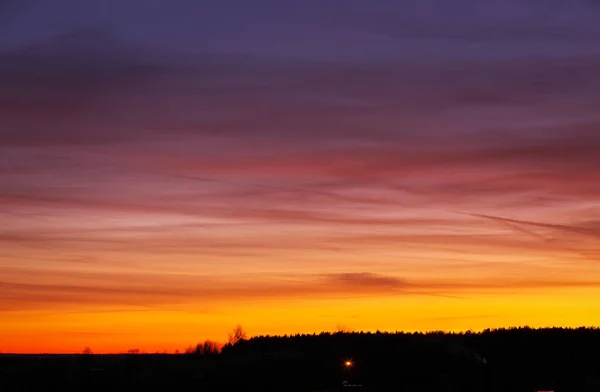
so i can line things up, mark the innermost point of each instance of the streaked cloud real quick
(297, 154)
(131, 290)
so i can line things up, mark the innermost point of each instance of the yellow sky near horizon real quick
(158, 330)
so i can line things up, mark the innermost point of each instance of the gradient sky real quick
(169, 169)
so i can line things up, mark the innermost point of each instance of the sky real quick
(169, 169)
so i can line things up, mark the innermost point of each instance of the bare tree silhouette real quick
(209, 347)
(238, 334)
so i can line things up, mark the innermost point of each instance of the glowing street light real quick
(348, 363)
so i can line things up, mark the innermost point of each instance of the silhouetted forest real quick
(518, 359)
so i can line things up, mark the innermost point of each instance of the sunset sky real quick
(169, 169)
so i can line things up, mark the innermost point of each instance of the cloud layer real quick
(292, 155)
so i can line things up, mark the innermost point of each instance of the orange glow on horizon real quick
(158, 331)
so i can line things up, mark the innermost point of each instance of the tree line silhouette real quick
(513, 359)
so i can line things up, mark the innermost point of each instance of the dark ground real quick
(504, 360)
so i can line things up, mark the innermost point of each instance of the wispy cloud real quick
(86, 290)
(587, 231)
(319, 168)
(366, 280)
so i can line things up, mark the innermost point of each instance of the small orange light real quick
(348, 363)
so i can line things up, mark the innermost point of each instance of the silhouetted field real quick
(516, 360)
